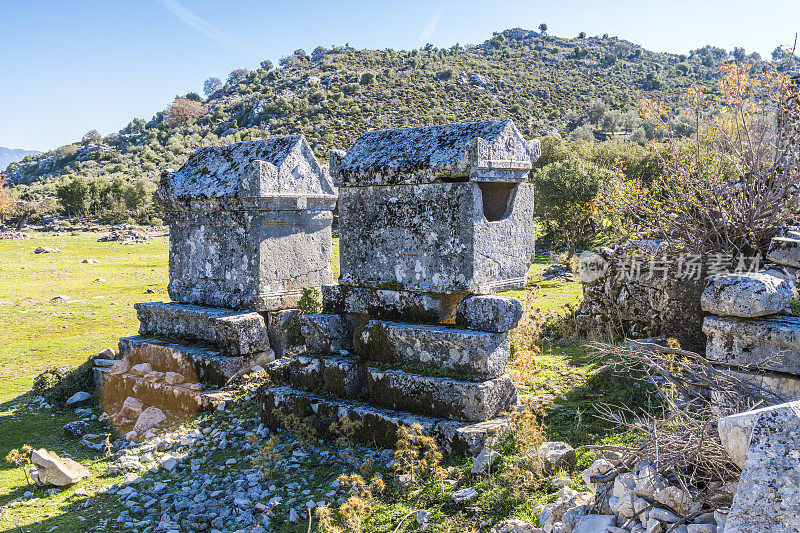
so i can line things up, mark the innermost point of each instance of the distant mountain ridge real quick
(12, 155)
(585, 85)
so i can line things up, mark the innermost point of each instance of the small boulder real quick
(556, 456)
(120, 367)
(131, 407)
(78, 399)
(76, 428)
(90, 261)
(465, 495)
(108, 353)
(513, 525)
(594, 523)
(46, 250)
(173, 378)
(484, 460)
(148, 419)
(50, 469)
(599, 467)
(141, 369)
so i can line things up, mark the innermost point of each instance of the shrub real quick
(57, 384)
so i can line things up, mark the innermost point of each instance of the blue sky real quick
(71, 66)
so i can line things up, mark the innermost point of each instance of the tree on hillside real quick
(183, 110)
(193, 96)
(6, 198)
(566, 191)
(91, 136)
(597, 108)
(543, 28)
(212, 85)
(238, 75)
(266, 65)
(74, 195)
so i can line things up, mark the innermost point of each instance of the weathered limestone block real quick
(785, 251)
(378, 426)
(438, 209)
(767, 498)
(345, 377)
(767, 343)
(786, 386)
(193, 363)
(736, 430)
(748, 295)
(387, 304)
(479, 354)
(235, 332)
(488, 313)
(250, 224)
(51, 469)
(326, 333)
(436, 237)
(341, 376)
(441, 397)
(280, 325)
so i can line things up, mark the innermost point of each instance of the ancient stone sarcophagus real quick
(438, 209)
(250, 224)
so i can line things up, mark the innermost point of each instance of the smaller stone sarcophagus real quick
(438, 209)
(250, 224)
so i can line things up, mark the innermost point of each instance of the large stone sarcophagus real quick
(438, 209)
(250, 224)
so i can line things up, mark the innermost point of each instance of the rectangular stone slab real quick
(388, 304)
(326, 333)
(785, 251)
(194, 363)
(767, 498)
(378, 426)
(340, 376)
(770, 343)
(441, 397)
(444, 238)
(236, 332)
(478, 354)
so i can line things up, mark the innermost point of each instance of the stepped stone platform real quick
(236, 332)
(202, 364)
(478, 354)
(768, 343)
(378, 425)
(429, 218)
(186, 398)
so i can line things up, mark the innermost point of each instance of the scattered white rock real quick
(483, 461)
(51, 469)
(465, 495)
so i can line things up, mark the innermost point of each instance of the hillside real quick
(586, 85)
(12, 155)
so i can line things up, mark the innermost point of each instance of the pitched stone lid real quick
(482, 151)
(267, 167)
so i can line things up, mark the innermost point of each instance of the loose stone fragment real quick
(768, 343)
(556, 456)
(784, 251)
(50, 469)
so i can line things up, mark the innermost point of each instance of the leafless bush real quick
(681, 437)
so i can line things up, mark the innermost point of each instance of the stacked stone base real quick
(183, 355)
(751, 333)
(386, 374)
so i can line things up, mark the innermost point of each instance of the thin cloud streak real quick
(206, 28)
(430, 27)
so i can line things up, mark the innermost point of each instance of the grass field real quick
(56, 310)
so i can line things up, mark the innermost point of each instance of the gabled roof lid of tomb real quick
(276, 166)
(492, 150)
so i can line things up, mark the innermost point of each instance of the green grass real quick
(35, 333)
